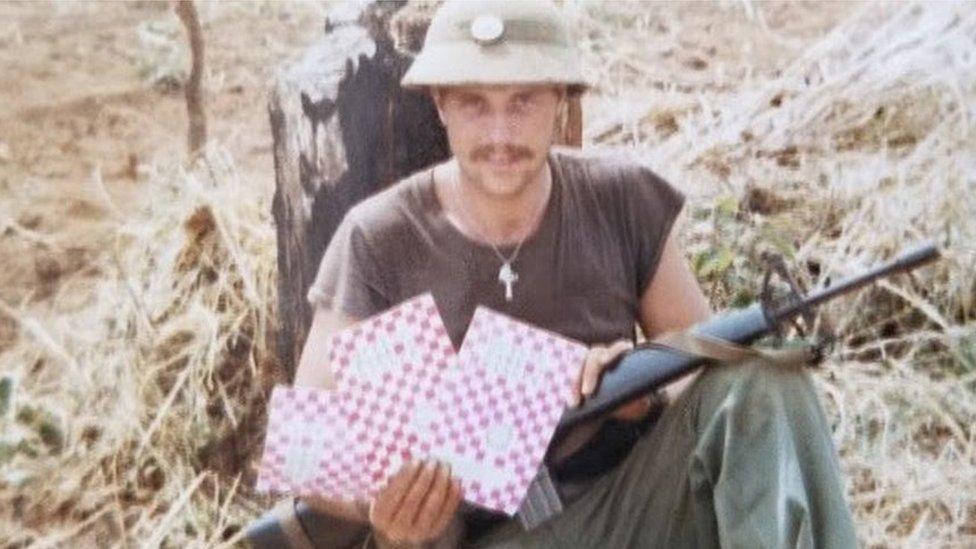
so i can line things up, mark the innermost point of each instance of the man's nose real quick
(501, 128)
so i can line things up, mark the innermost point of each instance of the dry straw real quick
(134, 418)
(136, 414)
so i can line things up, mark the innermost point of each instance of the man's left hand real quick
(597, 359)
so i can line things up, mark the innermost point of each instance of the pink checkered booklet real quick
(307, 450)
(501, 406)
(402, 393)
(360, 434)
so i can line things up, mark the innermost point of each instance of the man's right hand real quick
(416, 506)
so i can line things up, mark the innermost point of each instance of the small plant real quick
(161, 54)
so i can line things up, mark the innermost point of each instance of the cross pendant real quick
(508, 277)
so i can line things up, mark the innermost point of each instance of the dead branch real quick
(197, 135)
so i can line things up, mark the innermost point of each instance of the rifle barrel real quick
(907, 261)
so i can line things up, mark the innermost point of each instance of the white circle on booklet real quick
(499, 438)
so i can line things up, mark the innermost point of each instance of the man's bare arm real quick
(314, 372)
(673, 301)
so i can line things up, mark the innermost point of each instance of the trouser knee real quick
(756, 389)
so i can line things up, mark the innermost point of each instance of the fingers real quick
(596, 361)
(416, 505)
(387, 502)
(618, 348)
(449, 508)
(429, 513)
(407, 513)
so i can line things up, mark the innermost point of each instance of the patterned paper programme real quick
(501, 407)
(307, 450)
(401, 393)
(346, 442)
(382, 367)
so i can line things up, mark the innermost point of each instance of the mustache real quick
(512, 151)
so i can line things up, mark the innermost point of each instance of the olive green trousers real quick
(743, 458)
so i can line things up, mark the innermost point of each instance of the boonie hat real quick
(496, 42)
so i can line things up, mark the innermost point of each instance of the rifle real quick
(648, 366)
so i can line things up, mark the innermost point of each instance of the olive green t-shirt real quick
(580, 274)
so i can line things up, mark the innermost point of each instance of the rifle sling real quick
(695, 344)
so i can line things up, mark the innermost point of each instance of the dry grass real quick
(137, 394)
(135, 412)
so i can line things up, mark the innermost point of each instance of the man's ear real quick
(437, 95)
(562, 104)
(562, 92)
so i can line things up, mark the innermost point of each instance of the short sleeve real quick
(349, 279)
(653, 205)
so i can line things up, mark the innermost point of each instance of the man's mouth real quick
(502, 157)
(503, 161)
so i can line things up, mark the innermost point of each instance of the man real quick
(582, 246)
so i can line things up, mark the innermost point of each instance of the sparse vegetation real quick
(133, 373)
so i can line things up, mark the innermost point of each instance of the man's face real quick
(500, 135)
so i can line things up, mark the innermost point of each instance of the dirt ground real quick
(88, 102)
(88, 106)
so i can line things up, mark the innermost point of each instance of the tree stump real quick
(343, 129)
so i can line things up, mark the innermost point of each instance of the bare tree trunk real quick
(197, 134)
(343, 129)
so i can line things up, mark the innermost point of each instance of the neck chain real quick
(506, 274)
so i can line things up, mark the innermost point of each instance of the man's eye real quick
(470, 104)
(522, 103)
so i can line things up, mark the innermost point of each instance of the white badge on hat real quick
(487, 29)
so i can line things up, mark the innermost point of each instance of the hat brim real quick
(465, 63)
